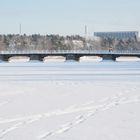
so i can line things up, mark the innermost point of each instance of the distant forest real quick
(57, 42)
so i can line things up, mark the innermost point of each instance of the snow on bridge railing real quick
(70, 52)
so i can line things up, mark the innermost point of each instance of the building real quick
(117, 35)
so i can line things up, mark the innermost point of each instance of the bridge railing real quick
(70, 52)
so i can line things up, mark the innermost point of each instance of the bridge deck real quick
(68, 54)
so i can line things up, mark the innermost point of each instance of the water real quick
(71, 70)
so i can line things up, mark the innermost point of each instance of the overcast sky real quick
(66, 17)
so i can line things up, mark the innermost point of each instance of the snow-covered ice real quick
(70, 101)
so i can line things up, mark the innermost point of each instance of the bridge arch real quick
(19, 59)
(90, 58)
(54, 59)
(127, 58)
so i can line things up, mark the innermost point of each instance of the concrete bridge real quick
(68, 54)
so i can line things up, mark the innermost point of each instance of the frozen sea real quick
(70, 101)
(70, 70)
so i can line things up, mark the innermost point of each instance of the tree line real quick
(57, 42)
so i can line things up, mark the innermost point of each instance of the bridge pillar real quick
(5, 57)
(72, 57)
(109, 57)
(1, 58)
(35, 57)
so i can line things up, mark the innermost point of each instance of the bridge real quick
(68, 54)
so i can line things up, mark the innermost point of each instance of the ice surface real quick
(70, 101)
